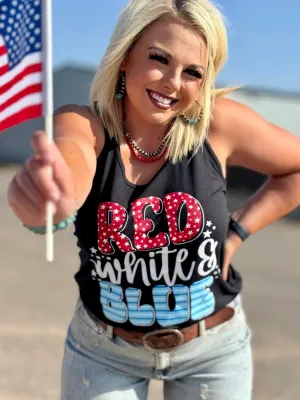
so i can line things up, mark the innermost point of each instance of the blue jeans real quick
(100, 366)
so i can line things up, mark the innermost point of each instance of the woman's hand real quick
(33, 186)
(231, 245)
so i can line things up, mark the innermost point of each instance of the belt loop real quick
(202, 328)
(109, 332)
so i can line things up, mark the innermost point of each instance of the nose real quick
(173, 81)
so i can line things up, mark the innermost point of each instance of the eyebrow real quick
(194, 66)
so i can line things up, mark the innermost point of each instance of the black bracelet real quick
(238, 229)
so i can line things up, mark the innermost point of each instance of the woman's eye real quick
(165, 61)
(194, 73)
(159, 58)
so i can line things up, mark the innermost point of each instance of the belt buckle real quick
(158, 340)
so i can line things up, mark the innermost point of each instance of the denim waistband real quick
(236, 304)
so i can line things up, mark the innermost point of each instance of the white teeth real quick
(160, 99)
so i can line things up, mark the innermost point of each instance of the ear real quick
(124, 63)
(123, 66)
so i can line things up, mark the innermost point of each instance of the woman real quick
(146, 165)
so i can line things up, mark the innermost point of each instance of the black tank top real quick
(151, 255)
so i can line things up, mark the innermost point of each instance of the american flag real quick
(21, 65)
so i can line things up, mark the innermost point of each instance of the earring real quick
(121, 86)
(193, 121)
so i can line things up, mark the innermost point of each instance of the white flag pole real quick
(48, 110)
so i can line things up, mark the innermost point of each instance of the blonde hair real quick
(204, 18)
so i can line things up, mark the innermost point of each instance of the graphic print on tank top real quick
(151, 255)
(192, 302)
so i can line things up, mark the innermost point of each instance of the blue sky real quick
(264, 38)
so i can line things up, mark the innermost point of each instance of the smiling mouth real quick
(161, 101)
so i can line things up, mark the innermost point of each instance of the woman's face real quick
(164, 71)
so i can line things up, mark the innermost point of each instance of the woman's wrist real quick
(239, 230)
(62, 218)
(59, 226)
(65, 212)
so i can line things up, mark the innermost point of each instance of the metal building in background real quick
(72, 83)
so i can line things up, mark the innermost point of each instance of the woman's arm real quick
(78, 139)
(243, 138)
(79, 136)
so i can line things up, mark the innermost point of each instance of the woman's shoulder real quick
(217, 133)
(223, 111)
(80, 123)
(227, 121)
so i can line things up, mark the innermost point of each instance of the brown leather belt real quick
(170, 339)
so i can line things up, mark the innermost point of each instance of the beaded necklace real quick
(139, 153)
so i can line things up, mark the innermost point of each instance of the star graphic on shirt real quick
(93, 250)
(209, 224)
(207, 234)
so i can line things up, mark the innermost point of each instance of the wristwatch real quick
(238, 229)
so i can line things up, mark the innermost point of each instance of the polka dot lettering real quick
(143, 226)
(194, 223)
(112, 219)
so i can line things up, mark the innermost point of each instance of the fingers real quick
(225, 272)
(47, 153)
(24, 181)
(37, 176)
(23, 208)
(42, 147)
(62, 174)
(34, 184)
